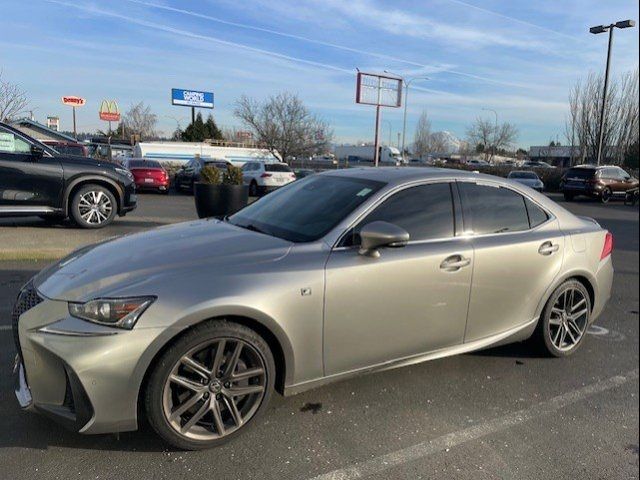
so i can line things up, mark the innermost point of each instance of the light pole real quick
(388, 123)
(495, 131)
(406, 83)
(596, 30)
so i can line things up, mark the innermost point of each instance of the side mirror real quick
(379, 234)
(37, 151)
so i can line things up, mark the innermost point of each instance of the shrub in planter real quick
(220, 194)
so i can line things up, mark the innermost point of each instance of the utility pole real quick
(597, 30)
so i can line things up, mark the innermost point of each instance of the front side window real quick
(425, 212)
(489, 209)
(11, 143)
(306, 210)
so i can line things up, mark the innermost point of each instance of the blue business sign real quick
(191, 98)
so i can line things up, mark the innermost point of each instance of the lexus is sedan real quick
(337, 274)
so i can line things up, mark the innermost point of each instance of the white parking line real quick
(424, 449)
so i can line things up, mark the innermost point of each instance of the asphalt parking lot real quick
(502, 413)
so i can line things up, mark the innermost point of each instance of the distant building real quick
(561, 156)
(40, 132)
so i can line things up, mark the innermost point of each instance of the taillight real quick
(265, 175)
(608, 246)
(293, 175)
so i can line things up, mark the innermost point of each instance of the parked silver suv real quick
(334, 275)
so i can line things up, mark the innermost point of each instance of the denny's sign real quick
(73, 101)
(109, 111)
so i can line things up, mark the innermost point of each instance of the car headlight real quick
(125, 172)
(115, 312)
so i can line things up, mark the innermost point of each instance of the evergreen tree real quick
(196, 131)
(212, 130)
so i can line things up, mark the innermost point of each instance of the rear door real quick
(518, 252)
(410, 300)
(27, 183)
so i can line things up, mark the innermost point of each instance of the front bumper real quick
(129, 200)
(85, 376)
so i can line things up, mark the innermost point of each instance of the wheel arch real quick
(582, 276)
(80, 182)
(266, 327)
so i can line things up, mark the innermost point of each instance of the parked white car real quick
(264, 177)
(478, 163)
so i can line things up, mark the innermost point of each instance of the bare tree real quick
(140, 121)
(284, 125)
(13, 100)
(439, 142)
(491, 137)
(422, 136)
(621, 123)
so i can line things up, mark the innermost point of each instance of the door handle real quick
(454, 263)
(548, 248)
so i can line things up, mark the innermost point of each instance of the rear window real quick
(218, 165)
(493, 210)
(144, 164)
(581, 173)
(529, 175)
(276, 167)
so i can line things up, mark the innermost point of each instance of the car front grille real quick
(27, 299)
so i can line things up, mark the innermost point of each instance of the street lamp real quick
(388, 122)
(406, 83)
(596, 30)
(495, 131)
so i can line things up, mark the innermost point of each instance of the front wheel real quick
(564, 320)
(93, 206)
(210, 385)
(606, 195)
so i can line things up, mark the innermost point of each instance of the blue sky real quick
(517, 57)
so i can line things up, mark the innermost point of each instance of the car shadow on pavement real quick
(525, 349)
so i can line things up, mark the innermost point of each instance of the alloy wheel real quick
(214, 389)
(569, 319)
(95, 207)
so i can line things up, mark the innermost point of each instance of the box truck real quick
(364, 154)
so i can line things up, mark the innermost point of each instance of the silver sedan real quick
(194, 325)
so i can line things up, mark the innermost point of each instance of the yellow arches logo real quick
(109, 111)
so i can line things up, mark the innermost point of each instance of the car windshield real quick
(580, 173)
(143, 164)
(306, 210)
(529, 175)
(276, 167)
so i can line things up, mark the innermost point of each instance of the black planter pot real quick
(219, 200)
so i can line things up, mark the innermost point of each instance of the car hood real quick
(112, 266)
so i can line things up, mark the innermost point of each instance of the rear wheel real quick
(565, 319)
(93, 206)
(210, 385)
(253, 189)
(568, 197)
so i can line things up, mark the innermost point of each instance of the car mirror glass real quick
(37, 151)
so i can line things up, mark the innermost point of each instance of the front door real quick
(27, 182)
(518, 251)
(410, 300)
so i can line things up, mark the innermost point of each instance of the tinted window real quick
(306, 210)
(537, 216)
(143, 164)
(276, 167)
(426, 212)
(529, 175)
(492, 210)
(218, 165)
(582, 173)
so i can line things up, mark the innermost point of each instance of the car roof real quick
(400, 175)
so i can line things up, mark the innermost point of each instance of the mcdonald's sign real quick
(109, 111)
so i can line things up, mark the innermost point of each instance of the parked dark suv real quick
(602, 182)
(190, 173)
(37, 180)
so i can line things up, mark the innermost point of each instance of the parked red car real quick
(148, 174)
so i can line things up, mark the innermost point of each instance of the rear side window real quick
(143, 164)
(537, 216)
(276, 167)
(581, 173)
(489, 209)
(425, 211)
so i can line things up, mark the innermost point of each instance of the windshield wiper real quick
(253, 228)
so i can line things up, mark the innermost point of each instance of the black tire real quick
(568, 197)
(543, 335)
(101, 217)
(606, 195)
(253, 189)
(193, 338)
